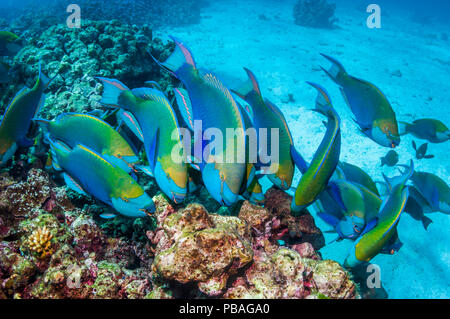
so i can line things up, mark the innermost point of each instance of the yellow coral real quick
(40, 242)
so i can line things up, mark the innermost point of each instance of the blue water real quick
(412, 40)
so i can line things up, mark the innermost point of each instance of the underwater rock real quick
(315, 13)
(301, 228)
(202, 248)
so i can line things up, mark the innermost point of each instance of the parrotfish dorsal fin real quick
(185, 106)
(213, 81)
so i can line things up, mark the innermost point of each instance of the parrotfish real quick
(209, 101)
(427, 129)
(325, 160)
(357, 175)
(92, 132)
(434, 190)
(350, 222)
(10, 43)
(267, 115)
(87, 172)
(18, 115)
(390, 159)
(4, 70)
(153, 120)
(372, 110)
(417, 206)
(421, 151)
(380, 232)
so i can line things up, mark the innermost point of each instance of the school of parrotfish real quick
(98, 159)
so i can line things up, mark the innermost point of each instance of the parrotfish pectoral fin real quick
(73, 185)
(370, 225)
(152, 150)
(329, 219)
(112, 90)
(336, 70)
(435, 198)
(185, 106)
(299, 160)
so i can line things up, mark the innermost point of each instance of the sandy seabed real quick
(409, 62)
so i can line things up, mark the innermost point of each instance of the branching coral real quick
(315, 13)
(40, 242)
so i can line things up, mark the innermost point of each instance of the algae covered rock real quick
(314, 13)
(205, 249)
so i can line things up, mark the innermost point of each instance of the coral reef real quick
(77, 56)
(314, 13)
(183, 252)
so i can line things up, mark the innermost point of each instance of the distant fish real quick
(325, 160)
(355, 174)
(390, 159)
(431, 130)
(206, 99)
(421, 152)
(372, 110)
(151, 117)
(267, 115)
(380, 232)
(434, 190)
(10, 43)
(18, 115)
(4, 70)
(87, 172)
(92, 132)
(417, 206)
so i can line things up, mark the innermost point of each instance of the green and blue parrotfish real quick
(434, 190)
(325, 160)
(76, 128)
(372, 110)
(153, 120)
(87, 172)
(379, 232)
(18, 115)
(10, 43)
(390, 159)
(350, 221)
(356, 175)
(209, 101)
(431, 130)
(267, 115)
(421, 151)
(4, 72)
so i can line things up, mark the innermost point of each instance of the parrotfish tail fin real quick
(383, 188)
(58, 150)
(113, 93)
(44, 80)
(323, 102)
(402, 179)
(403, 127)
(180, 58)
(426, 222)
(251, 85)
(337, 71)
